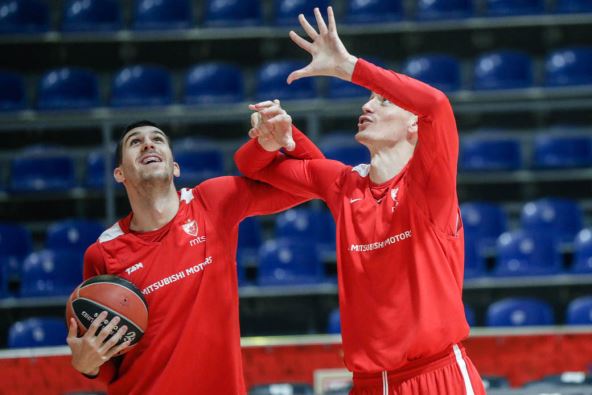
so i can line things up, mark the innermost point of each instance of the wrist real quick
(345, 68)
(268, 146)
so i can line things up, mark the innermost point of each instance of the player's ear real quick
(118, 174)
(412, 124)
(176, 169)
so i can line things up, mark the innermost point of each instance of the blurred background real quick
(73, 73)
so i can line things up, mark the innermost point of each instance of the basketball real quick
(116, 296)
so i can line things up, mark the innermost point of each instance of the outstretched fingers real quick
(331, 20)
(302, 43)
(312, 33)
(320, 21)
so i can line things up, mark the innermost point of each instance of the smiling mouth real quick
(150, 159)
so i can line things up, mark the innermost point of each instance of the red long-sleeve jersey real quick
(187, 273)
(400, 243)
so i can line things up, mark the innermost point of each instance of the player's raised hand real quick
(329, 56)
(272, 126)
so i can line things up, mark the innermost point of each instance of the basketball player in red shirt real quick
(178, 248)
(399, 230)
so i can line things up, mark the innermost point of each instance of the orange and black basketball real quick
(116, 296)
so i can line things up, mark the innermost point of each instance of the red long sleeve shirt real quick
(400, 243)
(187, 273)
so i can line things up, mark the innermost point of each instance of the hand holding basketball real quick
(91, 350)
(110, 314)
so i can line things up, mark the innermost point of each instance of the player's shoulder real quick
(111, 233)
(359, 171)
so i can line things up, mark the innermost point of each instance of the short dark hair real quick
(137, 124)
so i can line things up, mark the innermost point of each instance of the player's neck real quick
(152, 207)
(386, 162)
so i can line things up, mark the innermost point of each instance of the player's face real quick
(383, 121)
(146, 156)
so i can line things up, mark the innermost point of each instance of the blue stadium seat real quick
(444, 9)
(91, 16)
(579, 311)
(583, 252)
(334, 323)
(514, 7)
(271, 82)
(341, 89)
(249, 241)
(486, 153)
(37, 332)
(350, 154)
(281, 389)
(552, 151)
(470, 315)
(68, 88)
(15, 240)
(50, 273)
(12, 91)
(475, 261)
(519, 312)
(142, 85)
(23, 16)
(569, 66)
(503, 70)
(95, 169)
(162, 14)
(483, 223)
(198, 165)
(309, 226)
(520, 253)
(486, 221)
(373, 11)
(214, 83)
(231, 13)
(288, 262)
(74, 235)
(287, 11)
(573, 6)
(42, 172)
(559, 218)
(438, 70)
(15, 244)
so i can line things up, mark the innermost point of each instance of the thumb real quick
(72, 328)
(296, 75)
(289, 143)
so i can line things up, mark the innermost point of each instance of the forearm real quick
(408, 93)
(251, 158)
(305, 148)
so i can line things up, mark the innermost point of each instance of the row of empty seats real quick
(304, 240)
(46, 168)
(535, 248)
(514, 312)
(208, 83)
(33, 16)
(508, 312)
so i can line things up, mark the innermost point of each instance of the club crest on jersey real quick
(190, 228)
(394, 193)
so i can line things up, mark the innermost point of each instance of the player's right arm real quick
(302, 170)
(91, 352)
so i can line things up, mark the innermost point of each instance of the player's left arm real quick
(433, 167)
